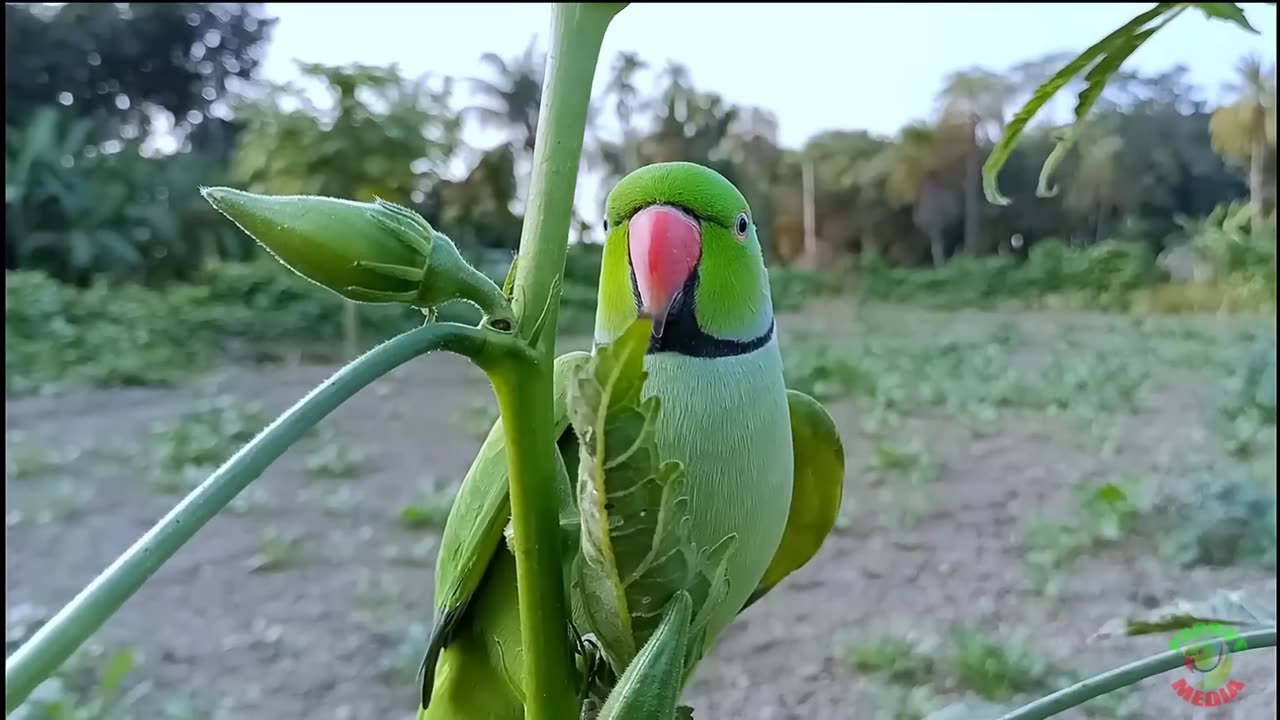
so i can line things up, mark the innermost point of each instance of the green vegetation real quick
(919, 670)
(97, 683)
(902, 201)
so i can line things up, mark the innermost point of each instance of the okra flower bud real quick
(375, 252)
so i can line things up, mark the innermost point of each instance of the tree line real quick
(117, 113)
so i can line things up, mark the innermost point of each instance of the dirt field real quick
(311, 599)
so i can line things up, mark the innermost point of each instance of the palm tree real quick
(675, 91)
(1095, 187)
(626, 96)
(977, 97)
(1243, 130)
(513, 98)
(921, 169)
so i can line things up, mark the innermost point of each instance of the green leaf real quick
(509, 284)
(115, 671)
(636, 552)
(1226, 11)
(1095, 82)
(1013, 131)
(1224, 607)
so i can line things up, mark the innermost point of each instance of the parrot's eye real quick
(606, 224)
(742, 225)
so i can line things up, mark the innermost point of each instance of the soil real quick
(336, 631)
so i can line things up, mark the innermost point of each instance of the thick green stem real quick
(40, 656)
(525, 389)
(1128, 675)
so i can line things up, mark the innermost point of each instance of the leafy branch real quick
(1099, 62)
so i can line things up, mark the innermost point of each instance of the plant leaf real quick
(636, 552)
(1013, 131)
(115, 672)
(1226, 11)
(1095, 82)
(1224, 607)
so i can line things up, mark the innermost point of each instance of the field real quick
(1014, 481)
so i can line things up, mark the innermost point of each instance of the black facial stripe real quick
(683, 336)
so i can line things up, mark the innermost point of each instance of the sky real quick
(816, 66)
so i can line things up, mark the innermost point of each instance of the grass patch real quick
(429, 512)
(185, 450)
(919, 670)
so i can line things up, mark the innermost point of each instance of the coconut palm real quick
(1095, 187)
(511, 100)
(923, 169)
(626, 101)
(979, 98)
(1243, 131)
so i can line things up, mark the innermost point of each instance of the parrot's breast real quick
(727, 420)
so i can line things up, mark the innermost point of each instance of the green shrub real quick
(1216, 521)
(126, 334)
(101, 335)
(793, 287)
(1119, 275)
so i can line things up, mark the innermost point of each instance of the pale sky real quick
(816, 66)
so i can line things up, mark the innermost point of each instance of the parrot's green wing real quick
(816, 494)
(480, 512)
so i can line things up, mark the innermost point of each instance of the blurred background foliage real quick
(116, 114)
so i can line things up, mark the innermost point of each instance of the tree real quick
(385, 136)
(851, 213)
(514, 96)
(124, 63)
(978, 97)
(1244, 131)
(626, 102)
(1095, 186)
(923, 169)
(476, 211)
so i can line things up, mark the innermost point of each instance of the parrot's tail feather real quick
(469, 685)
(439, 638)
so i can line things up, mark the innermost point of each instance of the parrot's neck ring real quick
(683, 335)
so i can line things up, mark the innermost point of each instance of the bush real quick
(793, 287)
(101, 335)
(120, 335)
(125, 334)
(1116, 275)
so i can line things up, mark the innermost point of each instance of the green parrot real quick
(763, 463)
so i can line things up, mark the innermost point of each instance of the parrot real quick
(763, 462)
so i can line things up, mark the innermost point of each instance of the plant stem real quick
(1130, 674)
(40, 656)
(524, 390)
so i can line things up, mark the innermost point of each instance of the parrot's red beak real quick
(665, 244)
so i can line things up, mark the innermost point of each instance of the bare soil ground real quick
(311, 599)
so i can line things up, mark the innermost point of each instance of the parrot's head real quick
(681, 248)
